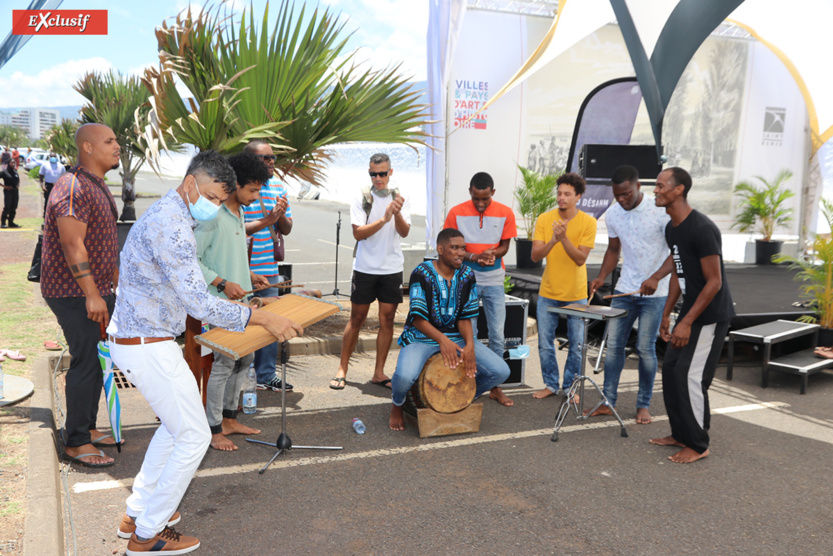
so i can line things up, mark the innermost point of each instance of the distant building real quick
(35, 122)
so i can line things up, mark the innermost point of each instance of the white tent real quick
(661, 35)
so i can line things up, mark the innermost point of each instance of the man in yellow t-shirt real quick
(564, 236)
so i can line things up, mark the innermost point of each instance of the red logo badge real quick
(59, 22)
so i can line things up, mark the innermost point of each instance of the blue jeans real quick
(266, 358)
(491, 369)
(494, 307)
(547, 323)
(649, 312)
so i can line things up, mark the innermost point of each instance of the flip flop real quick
(384, 384)
(52, 346)
(12, 354)
(98, 444)
(340, 382)
(86, 463)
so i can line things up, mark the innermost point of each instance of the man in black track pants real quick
(697, 339)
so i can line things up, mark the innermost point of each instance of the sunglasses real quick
(271, 157)
(380, 174)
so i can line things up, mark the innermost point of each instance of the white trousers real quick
(161, 374)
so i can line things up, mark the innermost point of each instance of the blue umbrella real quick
(111, 393)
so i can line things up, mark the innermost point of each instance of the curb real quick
(43, 530)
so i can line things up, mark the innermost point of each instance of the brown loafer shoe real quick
(128, 526)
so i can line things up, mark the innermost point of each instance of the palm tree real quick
(764, 206)
(295, 86)
(12, 136)
(61, 139)
(118, 101)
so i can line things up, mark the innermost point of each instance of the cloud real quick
(50, 86)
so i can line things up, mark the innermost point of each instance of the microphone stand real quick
(338, 240)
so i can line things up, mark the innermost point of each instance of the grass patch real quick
(16, 439)
(10, 508)
(24, 325)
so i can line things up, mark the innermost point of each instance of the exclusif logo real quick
(59, 22)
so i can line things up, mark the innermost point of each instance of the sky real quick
(41, 74)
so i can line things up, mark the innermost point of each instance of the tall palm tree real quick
(293, 85)
(61, 139)
(117, 101)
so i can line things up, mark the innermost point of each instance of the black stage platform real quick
(762, 293)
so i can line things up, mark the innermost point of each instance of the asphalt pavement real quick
(508, 488)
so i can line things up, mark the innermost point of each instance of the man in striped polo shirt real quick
(487, 227)
(262, 218)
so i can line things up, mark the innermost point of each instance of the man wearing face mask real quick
(162, 283)
(49, 173)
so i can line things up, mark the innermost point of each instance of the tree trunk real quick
(128, 196)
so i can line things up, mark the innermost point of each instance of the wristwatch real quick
(221, 286)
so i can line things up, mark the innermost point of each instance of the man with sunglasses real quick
(267, 214)
(379, 222)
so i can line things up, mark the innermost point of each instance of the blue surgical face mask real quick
(203, 210)
(53, 159)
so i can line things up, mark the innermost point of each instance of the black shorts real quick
(367, 288)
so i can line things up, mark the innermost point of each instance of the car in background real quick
(35, 158)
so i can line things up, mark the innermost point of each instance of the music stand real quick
(586, 313)
(284, 443)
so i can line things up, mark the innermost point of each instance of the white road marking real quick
(333, 243)
(334, 457)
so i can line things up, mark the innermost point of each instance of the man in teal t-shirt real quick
(221, 249)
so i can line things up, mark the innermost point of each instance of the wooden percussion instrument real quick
(298, 308)
(443, 389)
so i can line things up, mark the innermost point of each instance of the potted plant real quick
(535, 196)
(816, 270)
(762, 209)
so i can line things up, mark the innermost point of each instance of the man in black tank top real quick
(701, 327)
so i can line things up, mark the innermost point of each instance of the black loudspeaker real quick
(599, 161)
(514, 334)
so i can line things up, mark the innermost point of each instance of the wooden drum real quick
(442, 389)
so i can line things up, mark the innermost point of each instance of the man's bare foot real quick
(233, 426)
(824, 352)
(687, 455)
(75, 451)
(102, 438)
(666, 441)
(397, 419)
(643, 416)
(541, 394)
(498, 395)
(575, 398)
(601, 410)
(220, 442)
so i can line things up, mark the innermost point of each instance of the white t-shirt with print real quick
(641, 231)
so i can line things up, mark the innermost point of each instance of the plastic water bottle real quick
(358, 426)
(250, 392)
(1, 384)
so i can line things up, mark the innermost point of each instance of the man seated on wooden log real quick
(443, 302)
(224, 261)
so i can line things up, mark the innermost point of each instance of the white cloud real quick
(51, 86)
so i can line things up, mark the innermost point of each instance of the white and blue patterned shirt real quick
(160, 280)
(641, 231)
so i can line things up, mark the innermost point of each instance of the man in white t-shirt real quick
(49, 173)
(636, 229)
(380, 218)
